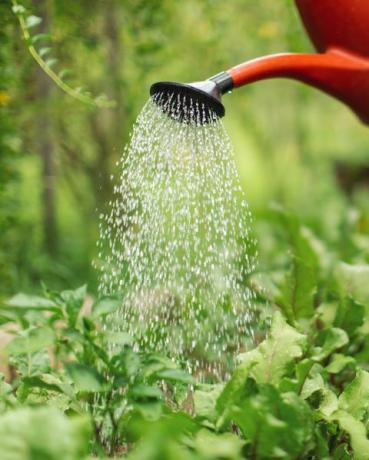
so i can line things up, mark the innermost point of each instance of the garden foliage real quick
(75, 389)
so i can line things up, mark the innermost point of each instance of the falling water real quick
(175, 245)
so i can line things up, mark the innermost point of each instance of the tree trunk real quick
(46, 146)
(108, 126)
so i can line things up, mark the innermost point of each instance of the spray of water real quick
(175, 245)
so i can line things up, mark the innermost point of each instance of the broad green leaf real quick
(29, 302)
(330, 340)
(32, 341)
(175, 375)
(268, 363)
(321, 450)
(43, 433)
(41, 382)
(161, 439)
(296, 383)
(205, 400)
(7, 397)
(7, 318)
(357, 433)
(218, 446)
(313, 383)
(75, 299)
(274, 356)
(329, 403)
(237, 387)
(350, 315)
(104, 307)
(145, 393)
(297, 293)
(151, 410)
(327, 312)
(278, 425)
(341, 452)
(355, 397)
(339, 362)
(353, 280)
(85, 378)
(152, 364)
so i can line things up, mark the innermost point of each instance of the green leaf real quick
(175, 375)
(75, 298)
(85, 378)
(45, 50)
(321, 443)
(330, 340)
(32, 341)
(117, 338)
(145, 393)
(268, 363)
(274, 356)
(339, 362)
(278, 426)
(41, 382)
(209, 445)
(30, 302)
(151, 410)
(43, 433)
(51, 62)
(329, 403)
(33, 21)
(357, 433)
(160, 438)
(65, 73)
(106, 306)
(313, 383)
(205, 400)
(40, 37)
(297, 293)
(355, 397)
(342, 453)
(350, 315)
(74, 301)
(18, 9)
(353, 280)
(236, 388)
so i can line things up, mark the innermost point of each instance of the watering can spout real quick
(340, 33)
(338, 73)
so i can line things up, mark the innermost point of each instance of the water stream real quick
(175, 245)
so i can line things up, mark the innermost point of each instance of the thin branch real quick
(75, 93)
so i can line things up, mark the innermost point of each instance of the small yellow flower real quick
(4, 98)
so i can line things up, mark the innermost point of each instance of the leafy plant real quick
(302, 393)
(61, 358)
(46, 62)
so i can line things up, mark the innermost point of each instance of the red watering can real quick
(339, 30)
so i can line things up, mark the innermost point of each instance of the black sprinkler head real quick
(199, 102)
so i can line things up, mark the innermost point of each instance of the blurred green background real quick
(293, 145)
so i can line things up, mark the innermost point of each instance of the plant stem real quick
(56, 79)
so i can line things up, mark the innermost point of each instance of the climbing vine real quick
(46, 62)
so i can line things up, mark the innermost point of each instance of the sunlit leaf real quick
(85, 378)
(32, 21)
